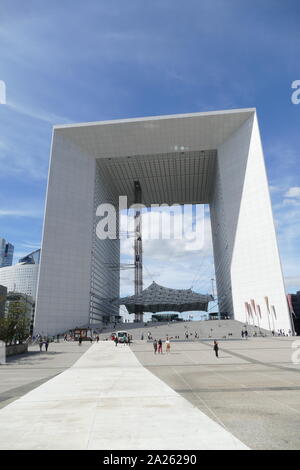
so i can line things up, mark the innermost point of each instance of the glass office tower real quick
(6, 253)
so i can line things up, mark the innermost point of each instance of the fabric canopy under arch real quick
(156, 298)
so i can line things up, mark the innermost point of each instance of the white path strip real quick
(108, 400)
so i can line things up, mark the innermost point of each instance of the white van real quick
(121, 335)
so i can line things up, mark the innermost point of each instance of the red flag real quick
(290, 304)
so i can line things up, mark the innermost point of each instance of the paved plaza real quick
(108, 397)
(252, 389)
(108, 400)
(27, 371)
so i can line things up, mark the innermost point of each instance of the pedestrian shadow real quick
(27, 357)
(19, 357)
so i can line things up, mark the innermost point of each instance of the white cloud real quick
(45, 116)
(274, 188)
(31, 246)
(21, 213)
(292, 283)
(293, 192)
(173, 263)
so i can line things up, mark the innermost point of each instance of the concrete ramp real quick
(108, 400)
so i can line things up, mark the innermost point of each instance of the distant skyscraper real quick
(22, 277)
(32, 258)
(6, 253)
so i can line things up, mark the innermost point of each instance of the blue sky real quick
(74, 61)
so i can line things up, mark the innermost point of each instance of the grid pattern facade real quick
(105, 266)
(183, 177)
(20, 278)
(221, 244)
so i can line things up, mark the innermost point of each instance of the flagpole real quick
(252, 315)
(274, 313)
(247, 314)
(269, 313)
(257, 314)
(269, 321)
(252, 301)
(259, 311)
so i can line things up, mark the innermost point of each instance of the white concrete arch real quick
(214, 158)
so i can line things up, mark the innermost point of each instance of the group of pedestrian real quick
(244, 334)
(91, 339)
(282, 333)
(44, 342)
(157, 346)
(190, 334)
(126, 340)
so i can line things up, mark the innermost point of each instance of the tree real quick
(4, 330)
(15, 327)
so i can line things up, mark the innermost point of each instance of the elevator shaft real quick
(138, 250)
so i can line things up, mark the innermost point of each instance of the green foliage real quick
(15, 326)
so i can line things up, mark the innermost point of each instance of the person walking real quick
(79, 341)
(41, 342)
(160, 346)
(46, 344)
(216, 348)
(168, 345)
(97, 338)
(155, 346)
(116, 341)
